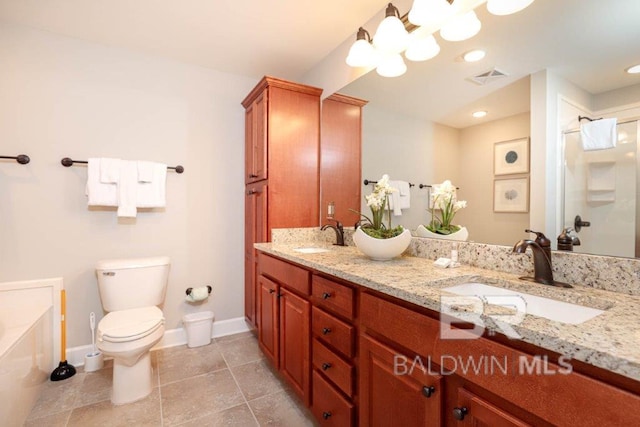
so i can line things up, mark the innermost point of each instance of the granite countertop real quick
(610, 341)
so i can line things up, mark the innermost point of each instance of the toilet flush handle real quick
(108, 273)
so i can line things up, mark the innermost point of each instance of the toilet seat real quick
(130, 325)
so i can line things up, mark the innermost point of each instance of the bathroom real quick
(68, 94)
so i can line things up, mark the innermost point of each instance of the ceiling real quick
(589, 42)
(283, 38)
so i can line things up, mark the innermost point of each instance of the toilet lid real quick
(129, 325)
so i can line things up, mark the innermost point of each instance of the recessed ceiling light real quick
(474, 55)
(479, 114)
(634, 69)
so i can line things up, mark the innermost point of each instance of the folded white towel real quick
(99, 193)
(153, 194)
(401, 198)
(128, 189)
(145, 171)
(599, 134)
(109, 170)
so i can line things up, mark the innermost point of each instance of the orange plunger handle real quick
(63, 325)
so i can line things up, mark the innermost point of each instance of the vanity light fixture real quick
(479, 114)
(422, 45)
(474, 55)
(462, 27)
(506, 7)
(391, 65)
(633, 69)
(391, 35)
(428, 13)
(362, 53)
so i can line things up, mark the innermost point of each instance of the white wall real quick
(64, 97)
(477, 179)
(405, 148)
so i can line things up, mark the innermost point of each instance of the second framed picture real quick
(510, 157)
(511, 195)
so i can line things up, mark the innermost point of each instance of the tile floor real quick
(226, 383)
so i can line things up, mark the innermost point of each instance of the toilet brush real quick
(93, 361)
(64, 369)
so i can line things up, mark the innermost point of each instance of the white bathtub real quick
(29, 344)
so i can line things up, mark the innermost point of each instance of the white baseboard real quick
(171, 338)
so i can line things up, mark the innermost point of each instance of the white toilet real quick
(131, 290)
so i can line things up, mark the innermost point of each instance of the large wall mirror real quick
(419, 127)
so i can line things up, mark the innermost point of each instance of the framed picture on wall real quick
(511, 157)
(511, 195)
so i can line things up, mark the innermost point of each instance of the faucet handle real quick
(541, 239)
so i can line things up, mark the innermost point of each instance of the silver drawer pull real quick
(108, 273)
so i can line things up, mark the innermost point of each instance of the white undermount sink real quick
(558, 311)
(311, 250)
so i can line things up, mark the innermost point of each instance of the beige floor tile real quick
(56, 420)
(58, 396)
(145, 412)
(96, 387)
(279, 409)
(241, 351)
(256, 379)
(178, 363)
(198, 397)
(239, 416)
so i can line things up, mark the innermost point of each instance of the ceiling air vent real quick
(487, 77)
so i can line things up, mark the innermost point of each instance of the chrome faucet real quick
(542, 267)
(338, 229)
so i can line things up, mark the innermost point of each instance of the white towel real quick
(599, 134)
(99, 193)
(128, 189)
(400, 199)
(109, 170)
(145, 171)
(152, 194)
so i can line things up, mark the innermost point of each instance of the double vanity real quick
(401, 342)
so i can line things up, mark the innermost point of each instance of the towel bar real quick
(368, 181)
(23, 159)
(66, 162)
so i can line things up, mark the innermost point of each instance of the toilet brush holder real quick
(93, 361)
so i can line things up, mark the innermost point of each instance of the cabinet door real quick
(256, 140)
(394, 392)
(255, 231)
(268, 329)
(477, 412)
(294, 342)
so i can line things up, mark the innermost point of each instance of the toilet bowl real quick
(130, 291)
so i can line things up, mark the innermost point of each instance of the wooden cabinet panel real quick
(255, 230)
(256, 139)
(340, 156)
(333, 296)
(329, 407)
(294, 342)
(269, 330)
(390, 396)
(474, 411)
(333, 331)
(336, 369)
(285, 273)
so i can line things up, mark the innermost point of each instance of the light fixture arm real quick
(392, 11)
(363, 35)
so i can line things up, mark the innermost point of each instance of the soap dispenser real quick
(565, 242)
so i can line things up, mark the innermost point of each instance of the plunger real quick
(64, 369)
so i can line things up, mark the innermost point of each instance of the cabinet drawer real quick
(333, 367)
(333, 331)
(329, 407)
(289, 275)
(333, 296)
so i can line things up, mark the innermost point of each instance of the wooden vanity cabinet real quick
(284, 321)
(282, 143)
(340, 153)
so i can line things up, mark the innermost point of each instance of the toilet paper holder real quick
(188, 291)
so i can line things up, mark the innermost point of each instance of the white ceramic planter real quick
(382, 249)
(460, 235)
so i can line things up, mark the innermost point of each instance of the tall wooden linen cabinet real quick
(282, 143)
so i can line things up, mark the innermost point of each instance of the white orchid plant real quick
(444, 199)
(378, 202)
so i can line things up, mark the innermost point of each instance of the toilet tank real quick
(132, 283)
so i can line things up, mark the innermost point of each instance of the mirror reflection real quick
(543, 68)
